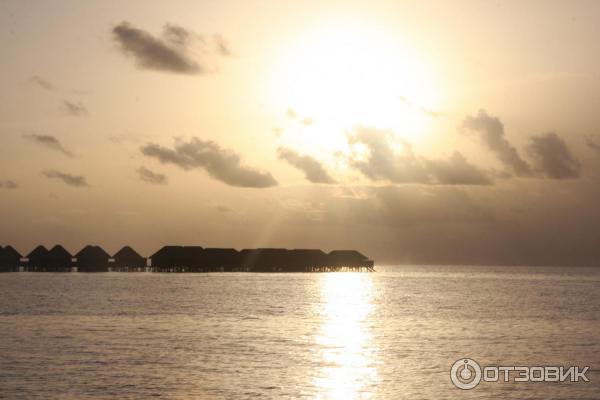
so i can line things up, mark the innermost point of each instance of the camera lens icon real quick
(465, 373)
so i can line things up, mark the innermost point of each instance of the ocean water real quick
(393, 334)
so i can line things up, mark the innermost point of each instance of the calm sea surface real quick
(385, 335)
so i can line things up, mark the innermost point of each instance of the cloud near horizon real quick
(313, 170)
(70, 180)
(169, 53)
(50, 142)
(221, 164)
(152, 177)
(383, 163)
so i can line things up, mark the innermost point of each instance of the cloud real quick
(221, 164)
(491, 133)
(290, 113)
(222, 46)
(68, 179)
(41, 82)
(169, 53)
(382, 162)
(307, 121)
(149, 176)
(313, 170)
(50, 142)
(593, 142)
(8, 184)
(76, 109)
(456, 171)
(552, 158)
(424, 110)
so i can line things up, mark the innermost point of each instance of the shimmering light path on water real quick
(387, 335)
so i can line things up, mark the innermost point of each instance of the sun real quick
(346, 73)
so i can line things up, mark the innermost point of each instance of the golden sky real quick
(429, 132)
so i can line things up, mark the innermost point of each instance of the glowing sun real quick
(344, 74)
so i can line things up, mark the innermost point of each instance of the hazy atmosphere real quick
(463, 132)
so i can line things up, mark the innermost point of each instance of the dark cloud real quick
(491, 133)
(50, 142)
(169, 53)
(8, 184)
(76, 109)
(41, 82)
(68, 179)
(456, 171)
(221, 164)
(149, 176)
(313, 170)
(551, 157)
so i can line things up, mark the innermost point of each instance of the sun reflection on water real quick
(348, 359)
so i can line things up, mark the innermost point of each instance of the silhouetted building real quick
(92, 259)
(58, 260)
(306, 260)
(349, 259)
(263, 260)
(177, 259)
(10, 259)
(216, 259)
(128, 260)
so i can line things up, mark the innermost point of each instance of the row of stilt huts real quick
(183, 259)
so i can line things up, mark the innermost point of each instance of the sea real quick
(391, 334)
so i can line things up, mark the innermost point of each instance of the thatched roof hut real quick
(10, 259)
(57, 259)
(92, 259)
(348, 258)
(305, 260)
(218, 258)
(129, 258)
(264, 259)
(177, 258)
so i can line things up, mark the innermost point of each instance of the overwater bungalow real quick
(92, 259)
(177, 259)
(59, 260)
(349, 260)
(37, 259)
(128, 260)
(263, 260)
(306, 260)
(220, 260)
(10, 259)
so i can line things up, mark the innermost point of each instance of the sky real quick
(463, 132)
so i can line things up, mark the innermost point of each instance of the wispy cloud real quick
(42, 83)
(8, 184)
(221, 164)
(222, 45)
(49, 142)
(70, 180)
(75, 109)
(313, 169)
(169, 53)
(152, 177)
